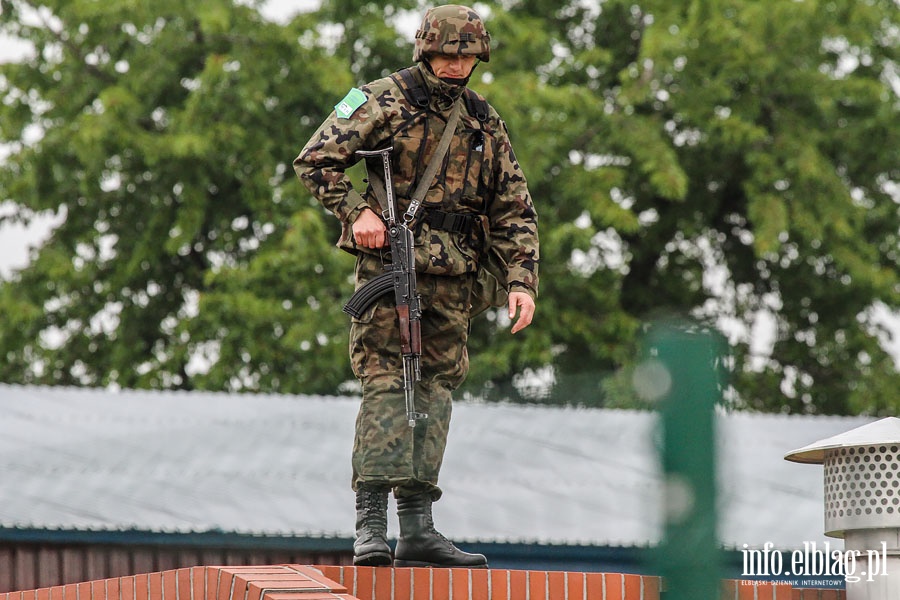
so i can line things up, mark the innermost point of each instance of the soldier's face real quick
(454, 66)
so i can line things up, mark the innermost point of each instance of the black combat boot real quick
(420, 545)
(371, 548)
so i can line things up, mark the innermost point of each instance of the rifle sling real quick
(415, 201)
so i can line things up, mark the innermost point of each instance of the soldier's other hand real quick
(369, 230)
(525, 304)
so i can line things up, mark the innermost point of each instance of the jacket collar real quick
(441, 94)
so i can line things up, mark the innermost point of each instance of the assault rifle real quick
(402, 279)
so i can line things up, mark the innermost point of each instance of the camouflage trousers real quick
(386, 450)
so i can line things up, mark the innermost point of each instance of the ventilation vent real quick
(862, 487)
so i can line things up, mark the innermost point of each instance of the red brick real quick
(298, 581)
(348, 579)
(126, 588)
(183, 584)
(383, 585)
(256, 585)
(365, 583)
(222, 588)
(421, 583)
(141, 587)
(303, 596)
(537, 584)
(262, 589)
(83, 591)
(256, 569)
(633, 587)
(239, 584)
(595, 584)
(613, 587)
(480, 585)
(575, 584)
(518, 583)
(783, 592)
(112, 589)
(440, 584)
(316, 575)
(332, 572)
(402, 583)
(461, 583)
(556, 585)
(287, 596)
(499, 584)
(155, 581)
(747, 592)
(211, 577)
(97, 590)
(42, 594)
(56, 593)
(198, 583)
(169, 585)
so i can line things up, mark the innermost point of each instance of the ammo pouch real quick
(490, 289)
(444, 243)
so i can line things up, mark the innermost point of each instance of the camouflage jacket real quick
(480, 176)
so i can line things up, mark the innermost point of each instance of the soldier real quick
(478, 200)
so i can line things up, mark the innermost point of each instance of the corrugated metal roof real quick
(73, 458)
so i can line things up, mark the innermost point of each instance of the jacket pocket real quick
(441, 252)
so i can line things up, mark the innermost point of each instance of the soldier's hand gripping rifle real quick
(402, 279)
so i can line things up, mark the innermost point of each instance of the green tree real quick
(669, 144)
(712, 158)
(166, 135)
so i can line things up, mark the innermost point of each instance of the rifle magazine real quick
(362, 298)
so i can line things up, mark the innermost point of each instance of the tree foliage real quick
(726, 160)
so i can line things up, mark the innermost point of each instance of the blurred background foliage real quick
(733, 161)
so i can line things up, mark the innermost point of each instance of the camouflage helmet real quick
(452, 29)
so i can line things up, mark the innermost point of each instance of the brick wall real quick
(371, 583)
(279, 582)
(298, 582)
(26, 566)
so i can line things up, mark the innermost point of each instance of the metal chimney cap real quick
(884, 431)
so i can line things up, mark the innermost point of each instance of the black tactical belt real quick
(446, 221)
